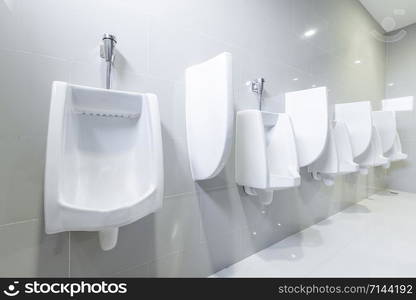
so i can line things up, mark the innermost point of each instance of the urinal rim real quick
(111, 91)
(63, 227)
(151, 190)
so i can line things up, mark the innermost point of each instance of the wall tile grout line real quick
(19, 222)
(69, 254)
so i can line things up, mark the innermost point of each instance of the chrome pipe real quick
(108, 54)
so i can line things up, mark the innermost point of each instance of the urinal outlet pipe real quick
(108, 54)
(260, 89)
(108, 76)
(108, 238)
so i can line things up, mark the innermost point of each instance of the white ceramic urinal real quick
(385, 123)
(396, 153)
(308, 110)
(373, 156)
(266, 157)
(397, 105)
(104, 163)
(337, 158)
(209, 115)
(326, 166)
(357, 118)
(346, 164)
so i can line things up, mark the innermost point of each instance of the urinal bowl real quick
(401, 104)
(357, 117)
(373, 156)
(346, 164)
(383, 138)
(266, 157)
(104, 166)
(365, 139)
(385, 123)
(326, 167)
(397, 105)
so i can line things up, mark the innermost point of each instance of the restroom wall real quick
(203, 227)
(400, 76)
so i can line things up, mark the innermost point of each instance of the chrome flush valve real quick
(257, 86)
(107, 48)
(108, 54)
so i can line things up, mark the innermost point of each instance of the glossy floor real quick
(374, 238)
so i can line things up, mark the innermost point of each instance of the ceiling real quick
(392, 14)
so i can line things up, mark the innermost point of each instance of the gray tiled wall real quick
(206, 226)
(400, 74)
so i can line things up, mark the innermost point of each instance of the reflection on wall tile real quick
(136, 246)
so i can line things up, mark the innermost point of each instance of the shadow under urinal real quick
(52, 247)
(252, 222)
(220, 207)
(136, 246)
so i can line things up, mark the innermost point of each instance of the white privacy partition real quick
(209, 115)
(398, 104)
(358, 120)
